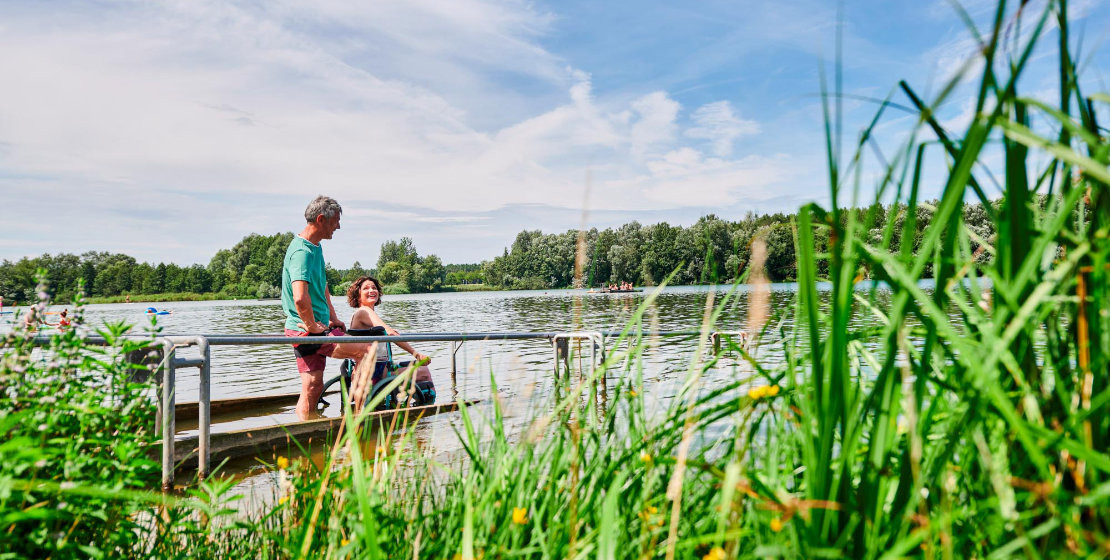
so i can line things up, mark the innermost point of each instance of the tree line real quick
(712, 250)
(251, 268)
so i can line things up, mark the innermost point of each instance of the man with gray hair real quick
(306, 300)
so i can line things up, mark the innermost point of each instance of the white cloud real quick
(194, 102)
(401, 216)
(717, 123)
(654, 124)
(685, 178)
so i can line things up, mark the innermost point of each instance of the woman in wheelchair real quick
(364, 295)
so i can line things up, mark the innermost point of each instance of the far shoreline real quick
(223, 296)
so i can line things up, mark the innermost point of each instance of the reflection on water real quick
(521, 369)
(240, 371)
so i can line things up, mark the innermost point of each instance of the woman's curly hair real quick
(356, 287)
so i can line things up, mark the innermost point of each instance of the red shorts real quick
(313, 357)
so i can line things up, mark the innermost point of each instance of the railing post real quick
(561, 340)
(205, 408)
(562, 351)
(715, 339)
(168, 414)
(159, 381)
(600, 343)
(455, 346)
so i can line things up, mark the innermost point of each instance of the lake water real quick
(521, 369)
(240, 371)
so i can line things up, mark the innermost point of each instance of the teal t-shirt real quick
(304, 261)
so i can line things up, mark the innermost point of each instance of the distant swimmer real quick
(63, 320)
(153, 311)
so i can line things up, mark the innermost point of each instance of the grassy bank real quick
(470, 288)
(970, 423)
(392, 289)
(400, 289)
(166, 297)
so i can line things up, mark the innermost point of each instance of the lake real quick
(239, 371)
(521, 369)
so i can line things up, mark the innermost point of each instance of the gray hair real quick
(325, 206)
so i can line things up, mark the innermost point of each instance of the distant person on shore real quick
(31, 319)
(127, 298)
(306, 300)
(364, 295)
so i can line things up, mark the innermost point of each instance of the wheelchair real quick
(404, 395)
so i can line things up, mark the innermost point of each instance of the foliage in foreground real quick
(74, 427)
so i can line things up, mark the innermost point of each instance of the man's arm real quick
(333, 320)
(303, 302)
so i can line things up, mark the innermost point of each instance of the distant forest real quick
(712, 250)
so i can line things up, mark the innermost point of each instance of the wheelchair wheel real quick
(390, 401)
(424, 393)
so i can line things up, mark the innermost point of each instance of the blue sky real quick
(169, 130)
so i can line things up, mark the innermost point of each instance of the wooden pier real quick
(266, 441)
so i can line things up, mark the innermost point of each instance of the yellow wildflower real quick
(344, 542)
(632, 393)
(716, 553)
(756, 393)
(651, 517)
(282, 462)
(776, 524)
(283, 500)
(645, 457)
(520, 515)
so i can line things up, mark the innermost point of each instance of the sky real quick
(170, 130)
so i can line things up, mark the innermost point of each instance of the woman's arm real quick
(374, 320)
(404, 345)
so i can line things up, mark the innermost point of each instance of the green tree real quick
(155, 282)
(113, 277)
(402, 252)
(197, 279)
(659, 256)
(393, 272)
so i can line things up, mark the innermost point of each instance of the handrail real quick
(165, 420)
(263, 339)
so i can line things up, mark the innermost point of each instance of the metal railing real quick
(165, 422)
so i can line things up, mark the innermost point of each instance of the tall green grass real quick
(976, 426)
(967, 421)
